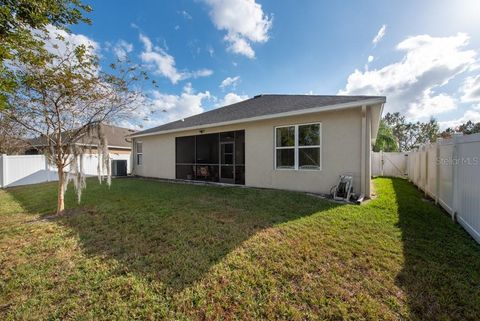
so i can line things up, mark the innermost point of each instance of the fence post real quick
(419, 167)
(3, 170)
(455, 166)
(437, 170)
(381, 162)
(425, 182)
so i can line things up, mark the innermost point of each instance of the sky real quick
(424, 56)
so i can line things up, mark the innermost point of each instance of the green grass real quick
(152, 250)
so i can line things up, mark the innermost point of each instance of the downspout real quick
(363, 149)
(133, 158)
(130, 161)
(368, 151)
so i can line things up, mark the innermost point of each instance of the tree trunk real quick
(60, 195)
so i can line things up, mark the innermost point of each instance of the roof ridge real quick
(258, 106)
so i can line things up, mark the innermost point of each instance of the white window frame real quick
(296, 147)
(137, 153)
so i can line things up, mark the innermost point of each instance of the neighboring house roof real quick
(117, 137)
(263, 107)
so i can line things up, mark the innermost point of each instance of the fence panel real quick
(16, 170)
(395, 164)
(423, 168)
(468, 186)
(431, 170)
(389, 164)
(26, 169)
(448, 171)
(377, 164)
(445, 172)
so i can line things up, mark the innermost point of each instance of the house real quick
(119, 147)
(291, 142)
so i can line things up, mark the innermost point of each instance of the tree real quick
(65, 100)
(467, 128)
(20, 20)
(11, 137)
(447, 133)
(428, 132)
(386, 141)
(410, 135)
(399, 127)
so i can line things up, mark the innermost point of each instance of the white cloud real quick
(200, 73)
(230, 81)
(369, 60)
(411, 83)
(473, 115)
(243, 20)
(61, 43)
(59, 47)
(240, 46)
(186, 15)
(160, 108)
(429, 105)
(184, 105)
(210, 50)
(471, 89)
(380, 34)
(164, 64)
(122, 49)
(231, 98)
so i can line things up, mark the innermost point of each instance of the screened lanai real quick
(218, 157)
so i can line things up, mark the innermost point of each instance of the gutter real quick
(271, 116)
(89, 145)
(378, 123)
(109, 146)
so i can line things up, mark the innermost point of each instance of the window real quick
(285, 147)
(139, 150)
(298, 147)
(309, 146)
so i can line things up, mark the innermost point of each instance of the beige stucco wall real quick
(341, 152)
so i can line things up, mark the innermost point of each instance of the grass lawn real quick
(154, 250)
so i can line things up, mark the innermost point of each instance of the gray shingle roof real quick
(261, 105)
(116, 137)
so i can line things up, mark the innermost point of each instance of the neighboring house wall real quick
(119, 151)
(341, 152)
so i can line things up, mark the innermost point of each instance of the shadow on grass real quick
(171, 233)
(441, 273)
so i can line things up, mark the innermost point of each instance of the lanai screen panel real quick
(218, 157)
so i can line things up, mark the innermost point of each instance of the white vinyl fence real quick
(16, 170)
(449, 172)
(389, 164)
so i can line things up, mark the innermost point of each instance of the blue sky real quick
(425, 57)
